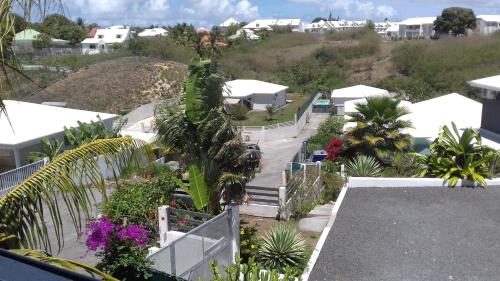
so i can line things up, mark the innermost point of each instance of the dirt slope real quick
(116, 86)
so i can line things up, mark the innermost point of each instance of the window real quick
(100, 36)
(118, 36)
(92, 47)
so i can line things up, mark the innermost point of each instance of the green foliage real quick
(125, 261)
(162, 47)
(378, 128)
(41, 41)
(238, 112)
(50, 149)
(329, 129)
(249, 244)
(198, 189)
(370, 25)
(408, 89)
(282, 247)
(333, 183)
(247, 272)
(88, 132)
(459, 156)
(270, 111)
(455, 20)
(60, 27)
(138, 202)
(78, 61)
(363, 166)
(183, 34)
(399, 164)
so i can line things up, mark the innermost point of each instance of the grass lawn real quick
(284, 114)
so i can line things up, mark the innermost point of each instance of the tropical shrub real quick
(247, 272)
(332, 185)
(458, 156)
(334, 149)
(378, 128)
(50, 149)
(87, 132)
(238, 112)
(329, 129)
(249, 244)
(400, 164)
(122, 249)
(270, 112)
(363, 166)
(197, 189)
(282, 247)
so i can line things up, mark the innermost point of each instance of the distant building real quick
(341, 96)
(490, 93)
(415, 28)
(293, 25)
(334, 25)
(229, 22)
(249, 34)
(255, 94)
(487, 24)
(105, 38)
(153, 32)
(23, 41)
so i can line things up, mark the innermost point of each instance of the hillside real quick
(117, 86)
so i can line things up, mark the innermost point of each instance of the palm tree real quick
(378, 128)
(205, 135)
(270, 111)
(69, 177)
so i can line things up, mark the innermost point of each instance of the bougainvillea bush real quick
(122, 249)
(334, 149)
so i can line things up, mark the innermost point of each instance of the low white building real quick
(105, 38)
(417, 28)
(153, 32)
(487, 24)
(249, 34)
(341, 96)
(334, 26)
(293, 25)
(229, 22)
(28, 123)
(255, 93)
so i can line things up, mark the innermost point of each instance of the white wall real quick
(364, 182)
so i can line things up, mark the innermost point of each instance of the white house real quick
(104, 38)
(417, 28)
(249, 34)
(23, 41)
(294, 25)
(153, 32)
(229, 22)
(490, 93)
(341, 96)
(256, 94)
(28, 123)
(487, 24)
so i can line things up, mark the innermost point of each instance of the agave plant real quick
(363, 166)
(282, 247)
(458, 156)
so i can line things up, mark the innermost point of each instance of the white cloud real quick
(218, 10)
(358, 9)
(121, 11)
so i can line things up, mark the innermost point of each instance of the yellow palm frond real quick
(66, 180)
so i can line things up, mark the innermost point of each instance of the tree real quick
(378, 128)
(205, 136)
(455, 20)
(318, 19)
(60, 27)
(80, 22)
(42, 41)
(370, 25)
(183, 34)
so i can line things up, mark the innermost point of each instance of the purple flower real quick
(101, 230)
(138, 234)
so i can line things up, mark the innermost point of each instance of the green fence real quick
(302, 109)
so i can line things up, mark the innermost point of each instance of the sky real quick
(212, 12)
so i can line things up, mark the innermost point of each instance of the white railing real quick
(188, 255)
(10, 179)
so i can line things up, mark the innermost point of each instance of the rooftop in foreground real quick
(424, 233)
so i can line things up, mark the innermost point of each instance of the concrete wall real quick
(278, 99)
(360, 182)
(491, 115)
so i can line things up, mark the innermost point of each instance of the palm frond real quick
(68, 179)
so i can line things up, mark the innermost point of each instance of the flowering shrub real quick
(249, 244)
(334, 149)
(122, 249)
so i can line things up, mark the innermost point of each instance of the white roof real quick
(359, 91)
(489, 18)
(31, 121)
(490, 83)
(430, 115)
(229, 22)
(150, 32)
(147, 137)
(92, 41)
(243, 88)
(110, 35)
(268, 23)
(419, 21)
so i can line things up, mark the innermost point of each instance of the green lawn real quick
(284, 114)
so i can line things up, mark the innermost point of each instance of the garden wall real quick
(355, 182)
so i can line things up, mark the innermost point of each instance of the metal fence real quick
(10, 179)
(189, 255)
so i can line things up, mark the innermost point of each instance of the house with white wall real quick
(105, 38)
(254, 93)
(417, 28)
(490, 117)
(487, 24)
(293, 25)
(28, 123)
(228, 23)
(153, 32)
(341, 96)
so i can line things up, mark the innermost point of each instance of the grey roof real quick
(427, 233)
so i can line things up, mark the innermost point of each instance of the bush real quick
(363, 166)
(238, 112)
(332, 183)
(249, 244)
(247, 272)
(283, 247)
(331, 128)
(162, 47)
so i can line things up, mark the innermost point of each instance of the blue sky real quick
(210, 12)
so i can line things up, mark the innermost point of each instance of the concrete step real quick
(263, 199)
(269, 192)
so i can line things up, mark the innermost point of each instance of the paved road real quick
(425, 233)
(277, 154)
